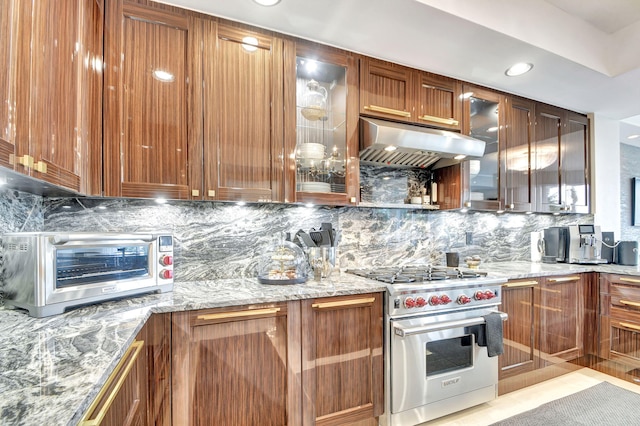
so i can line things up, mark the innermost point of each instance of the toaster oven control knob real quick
(463, 299)
(434, 300)
(166, 260)
(445, 300)
(409, 302)
(166, 274)
(420, 302)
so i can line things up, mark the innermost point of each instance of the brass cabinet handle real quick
(385, 110)
(326, 305)
(563, 279)
(521, 284)
(631, 326)
(630, 303)
(41, 167)
(239, 314)
(120, 373)
(630, 280)
(441, 120)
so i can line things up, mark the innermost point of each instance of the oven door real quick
(436, 358)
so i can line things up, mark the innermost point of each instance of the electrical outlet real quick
(469, 238)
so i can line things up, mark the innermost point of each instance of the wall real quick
(216, 240)
(629, 168)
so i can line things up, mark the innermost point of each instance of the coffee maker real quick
(585, 244)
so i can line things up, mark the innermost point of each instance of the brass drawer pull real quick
(630, 280)
(520, 284)
(239, 314)
(630, 303)
(391, 111)
(120, 373)
(449, 121)
(326, 305)
(631, 326)
(563, 279)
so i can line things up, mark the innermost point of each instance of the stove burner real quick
(415, 274)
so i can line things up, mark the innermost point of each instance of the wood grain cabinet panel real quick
(342, 359)
(386, 90)
(152, 101)
(51, 86)
(620, 318)
(243, 143)
(438, 101)
(236, 366)
(520, 301)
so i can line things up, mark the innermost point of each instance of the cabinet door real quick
(439, 102)
(157, 337)
(122, 401)
(574, 163)
(9, 34)
(561, 319)
(386, 90)
(152, 90)
(519, 301)
(484, 119)
(546, 160)
(55, 108)
(342, 359)
(322, 137)
(236, 367)
(517, 155)
(243, 114)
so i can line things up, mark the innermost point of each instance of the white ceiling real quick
(586, 53)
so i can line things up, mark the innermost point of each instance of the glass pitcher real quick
(314, 102)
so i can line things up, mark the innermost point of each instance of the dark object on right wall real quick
(627, 253)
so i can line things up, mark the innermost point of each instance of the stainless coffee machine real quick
(585, 244)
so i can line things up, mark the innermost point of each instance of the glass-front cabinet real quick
(483, 120)
(320, 126)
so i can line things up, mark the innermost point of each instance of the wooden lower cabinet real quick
(620, 318)
(545, 328)
(342, 379)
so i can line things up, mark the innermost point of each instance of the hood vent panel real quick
(415, 146)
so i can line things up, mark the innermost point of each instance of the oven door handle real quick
(410, 331)
(65, 238)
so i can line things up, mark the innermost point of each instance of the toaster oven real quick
(47, 273)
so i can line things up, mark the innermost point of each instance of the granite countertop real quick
(52, 368)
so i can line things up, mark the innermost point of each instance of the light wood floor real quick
(528, 398)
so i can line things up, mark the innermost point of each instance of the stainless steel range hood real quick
(386, 143)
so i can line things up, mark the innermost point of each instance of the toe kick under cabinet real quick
(620, 318)
(316, 361)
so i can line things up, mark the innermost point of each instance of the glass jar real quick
(314, 102)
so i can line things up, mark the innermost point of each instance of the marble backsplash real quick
(222, 240)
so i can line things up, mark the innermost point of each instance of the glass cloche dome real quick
(284, 263)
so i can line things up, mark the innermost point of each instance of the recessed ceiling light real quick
(518, 69)
(267, 2)
(633, 136)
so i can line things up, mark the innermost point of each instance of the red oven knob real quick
(480, 295)
(463, 299)
(166, 274)
(445, 300)
(489, 294)
(409, 302)
(420, 302)
(434, 300)
(166, 260)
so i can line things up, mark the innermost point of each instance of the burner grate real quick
(415, 274)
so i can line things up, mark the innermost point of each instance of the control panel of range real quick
(445, 299)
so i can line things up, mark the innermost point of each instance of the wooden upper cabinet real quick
(152, 115)
(51, 87)
(386, 90)
(561, 161)
(342, 357)
(243, 142)
(517, 155)
(439, 102)
(320, 125)
(237, 366)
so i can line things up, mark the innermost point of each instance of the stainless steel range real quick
(441, 326)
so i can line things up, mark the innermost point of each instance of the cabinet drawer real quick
(621, 339)
(625, 294)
